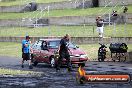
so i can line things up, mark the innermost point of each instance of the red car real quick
(44, 51)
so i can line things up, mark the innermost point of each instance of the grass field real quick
(4, 71)
(14, 49)
(10, 49)
(74, 31)
(16, 72)
(65, 12)
(21, 2)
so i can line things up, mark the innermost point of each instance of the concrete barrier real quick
(53, 5)
(11, 8)
(114, 2)
(76, 40)
(69, 4)
(66, 20)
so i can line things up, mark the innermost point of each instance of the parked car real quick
(49, 53)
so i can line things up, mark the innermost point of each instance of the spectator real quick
(125, 10)
(99, 23)
(26, 51)
(114, 17)
(114, 13)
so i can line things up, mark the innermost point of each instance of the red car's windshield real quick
(55, 44)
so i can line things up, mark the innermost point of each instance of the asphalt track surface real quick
(63, 79)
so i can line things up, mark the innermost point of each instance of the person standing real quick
(114, 13)
(125, 9)
(26, 51)
(64, 52)
(99, 23)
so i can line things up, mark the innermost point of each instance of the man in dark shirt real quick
(63, 52)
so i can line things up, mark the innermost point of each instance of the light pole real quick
(83, 3)
(48, 18)
(75, 3)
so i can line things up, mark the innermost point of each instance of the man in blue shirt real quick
(26, 51)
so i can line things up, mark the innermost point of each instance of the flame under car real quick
(49, 55)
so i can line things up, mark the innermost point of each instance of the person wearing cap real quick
(26, 51)
(114, 13)
(63, 53)
(99, 23)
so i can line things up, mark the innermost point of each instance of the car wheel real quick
(35, 63)
(52, 62)
(99, 60)
(82, 80)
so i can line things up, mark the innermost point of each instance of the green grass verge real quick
(4, 71)
(22, 2)
(10, 49)
(60, 13)
(74, 31)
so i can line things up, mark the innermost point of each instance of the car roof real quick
(50, 39)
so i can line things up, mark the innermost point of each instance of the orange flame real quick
(81, 71)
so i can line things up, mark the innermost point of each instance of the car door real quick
(44, 56)
(36, 50)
